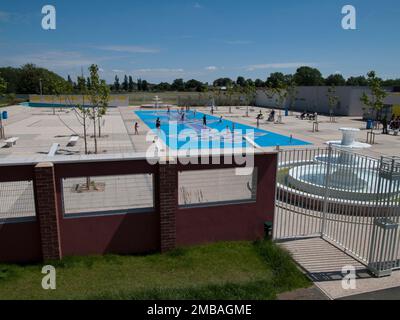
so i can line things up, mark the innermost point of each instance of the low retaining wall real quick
(50, 233)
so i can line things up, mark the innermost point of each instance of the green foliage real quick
(116, 86)
(27, 79)
(335, 80)
(223, 82)
(374, 100)
(275, 79)
(131, 84)
(3, 87)
(360, 81)
(307, 76)
(178, 85)
(333, 99)
(278, 88)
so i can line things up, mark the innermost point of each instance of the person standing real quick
(205, 121)
(158, 124)
(136, 128)
(385, 126)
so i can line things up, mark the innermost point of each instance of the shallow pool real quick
(216, 134)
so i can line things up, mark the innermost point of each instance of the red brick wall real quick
(168, 205)
(46, 211)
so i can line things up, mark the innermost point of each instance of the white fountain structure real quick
(349, 140)
(157, 102)
(349, 176)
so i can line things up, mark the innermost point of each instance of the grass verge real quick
(227, 270)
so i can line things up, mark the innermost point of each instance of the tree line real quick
(30, 79)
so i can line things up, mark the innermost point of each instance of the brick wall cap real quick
(44, 165)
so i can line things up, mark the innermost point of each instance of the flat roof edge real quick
(60, 159)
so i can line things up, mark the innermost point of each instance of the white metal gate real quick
(348, 199)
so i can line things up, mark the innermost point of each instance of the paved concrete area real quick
(386, 294)
(312, 293)
(323, 263)
(39, 128)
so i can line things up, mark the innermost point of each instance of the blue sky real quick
(160, 40)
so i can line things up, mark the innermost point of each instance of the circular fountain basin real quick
(357, 184)
(346, 160)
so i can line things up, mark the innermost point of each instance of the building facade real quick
(315, 99)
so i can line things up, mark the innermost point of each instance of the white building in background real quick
(315, 99)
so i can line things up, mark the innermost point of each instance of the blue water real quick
(194, 122)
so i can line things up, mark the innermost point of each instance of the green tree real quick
(116, 84)
(373, 101)
(275, 79)
(335, 80)
(30, 77)
(333, 100)
(241, 82)
(360, 81)
(259, 83)
(145, 85)
(194, 85)
(125, 84)
(3, 87)
(223, 82)
(307, 76)
(88, 83)
(291, 88)
(178, 85)
(131, 84)
(99, 95)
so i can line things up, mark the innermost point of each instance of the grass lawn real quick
(227, 270)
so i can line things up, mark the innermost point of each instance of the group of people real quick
(394, 125)
(308, 116)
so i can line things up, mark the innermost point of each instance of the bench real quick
(72, 142)
(12, 141)
(53, 150)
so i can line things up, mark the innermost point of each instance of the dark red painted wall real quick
(231, 222)
(20, 242)
(119, 234)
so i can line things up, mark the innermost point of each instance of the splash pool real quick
(215, 129)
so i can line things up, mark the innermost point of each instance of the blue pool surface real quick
(194, 122)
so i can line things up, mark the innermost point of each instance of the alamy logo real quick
(49, 280)
(349, 21)
(49, 20)
(349, 278)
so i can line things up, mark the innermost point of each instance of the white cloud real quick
(117, 71)
(128, 49)
(286, 65)
(160, 70)
(211, 68)
(197, 6)
(159, 73)
(52, 59)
